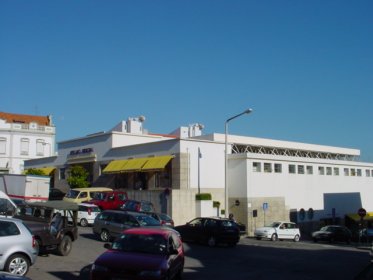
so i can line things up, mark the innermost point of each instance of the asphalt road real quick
(250, 259)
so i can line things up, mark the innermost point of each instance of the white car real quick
(278, 231)
(87, 214)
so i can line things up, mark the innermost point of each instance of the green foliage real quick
(78, 177)
(35, 171)
(203, 196)
(216, 204)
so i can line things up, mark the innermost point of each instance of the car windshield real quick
(275, 224)
(141, 243)
(72, 194)
(326, 229)
(146, 220)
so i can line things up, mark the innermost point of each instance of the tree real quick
(78, 177)
(34, 171)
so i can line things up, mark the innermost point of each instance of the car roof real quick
(10, 219)
(87, 204)
(149, 230)
(94, 189)
(56, 204)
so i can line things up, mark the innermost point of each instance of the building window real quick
(267, 167)
(353, 172)
(321, 170)
(346, 172)
(328, 171)
(367, 173)
(62, 174)
(257, 167)
(336, 171)
(40, 147)
(372, 173)
(358, 172)
(2, 145)
(309, 169)
(25, 143)
(278, 168)
(300, 169)
(291, 168)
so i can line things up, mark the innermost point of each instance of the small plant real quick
(203, 196)
(216, 204)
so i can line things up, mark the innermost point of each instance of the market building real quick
(267, 179)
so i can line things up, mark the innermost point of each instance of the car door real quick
(193, 230)
(282, 231)
(118, 224)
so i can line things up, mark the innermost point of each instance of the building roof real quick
(27, 119)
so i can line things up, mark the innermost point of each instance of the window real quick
(278, 168)
(372, 173)
(336, 171)
(309, 169)
(321, 170)
(367, 172)
(291, 168)
(62, 174)
(328, 171)
(40, 147)
(358, 172)
(2, 145)
(353, 172)
(257, 167)
(346, 172)
(25, 146)
(267, 167)
(300, 169)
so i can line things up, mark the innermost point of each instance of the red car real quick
(141, 253)
(109, 200)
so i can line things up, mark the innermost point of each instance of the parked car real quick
(141, 253)
(333, 233)
(56, 194)
(87, 214)
(49, 223)
(163, 218)
(211, 231)
(110, 224)
(79, 195)
(278, 231)
(138, 206)
(109, 200)
(18, 247)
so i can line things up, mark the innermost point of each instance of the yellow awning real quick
(156, 163)
(115, 166)
(356, 217)
(135, 164)
(47, 170)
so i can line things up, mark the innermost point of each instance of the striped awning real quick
(157, 163)
(115, 166)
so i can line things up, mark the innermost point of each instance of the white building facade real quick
(24, 137)
(267, 179)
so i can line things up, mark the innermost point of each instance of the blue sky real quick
(304, 67)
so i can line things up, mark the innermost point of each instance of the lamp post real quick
(248, 111)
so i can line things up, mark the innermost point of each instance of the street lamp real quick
(248, 111)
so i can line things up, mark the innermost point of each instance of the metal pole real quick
(226, 194)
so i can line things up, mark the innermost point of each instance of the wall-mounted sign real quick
(81, 151)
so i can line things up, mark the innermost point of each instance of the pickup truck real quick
(51, 235)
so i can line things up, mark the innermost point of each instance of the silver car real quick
(18, 247)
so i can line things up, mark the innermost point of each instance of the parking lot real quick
(250, 259)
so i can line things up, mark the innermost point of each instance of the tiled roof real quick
(17, 118)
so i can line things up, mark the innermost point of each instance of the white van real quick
(7, 206)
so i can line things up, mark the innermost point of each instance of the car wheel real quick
(211, 241)
(104, 235)
(274, 237)
(65, 246)
(296, 238)
(83, 222)
(17, 264)
(258, 238)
